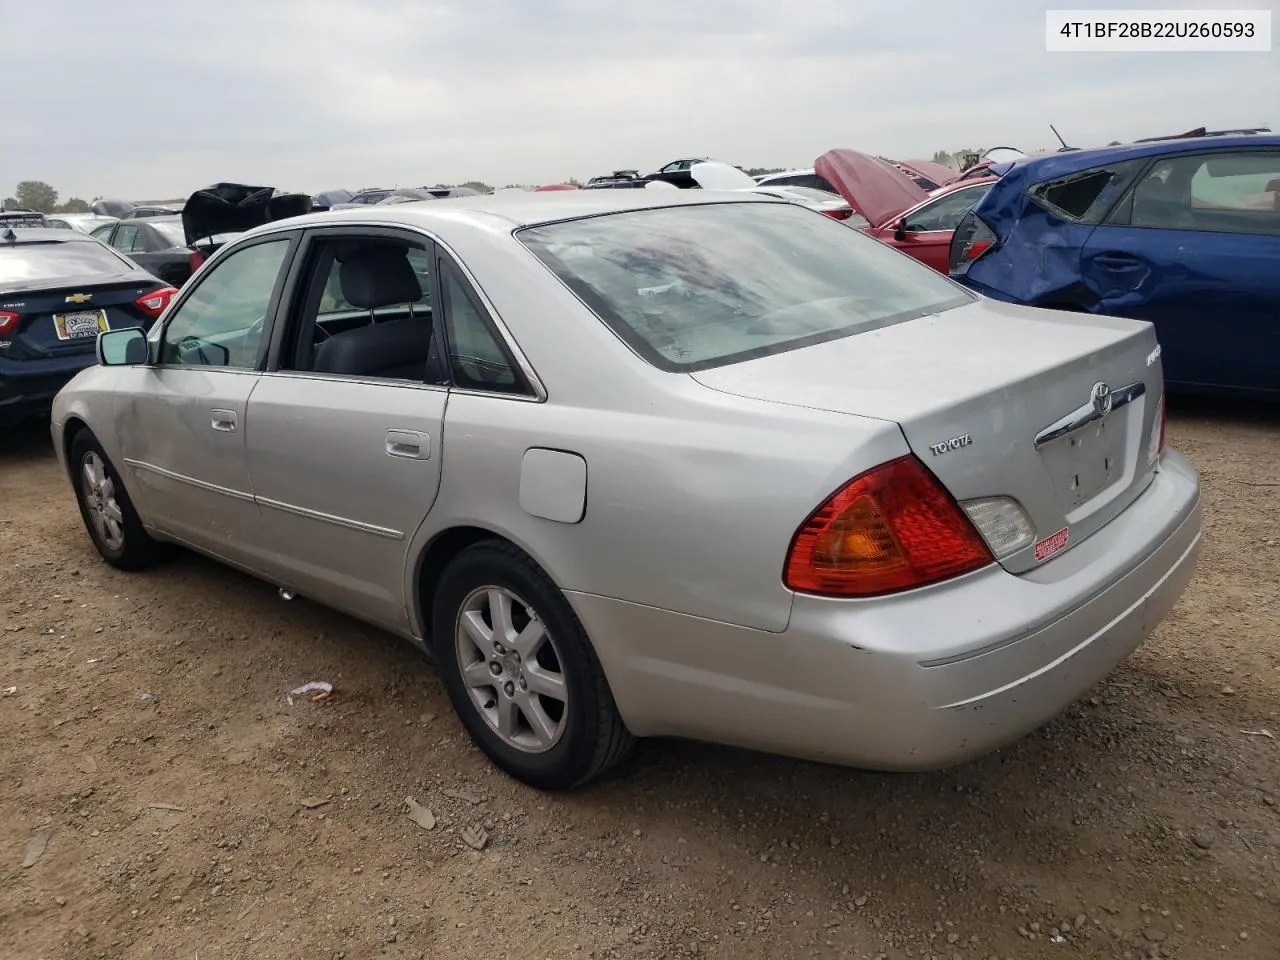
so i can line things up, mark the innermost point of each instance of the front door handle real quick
(223, 420)
(408, 444)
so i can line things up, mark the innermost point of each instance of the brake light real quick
(197, 258)
(971, 239)
(153, 303)
(841, 213)
(892, 528)
(8, 321)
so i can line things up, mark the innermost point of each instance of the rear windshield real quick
(693, 287)
(172, 232)
(22, 262)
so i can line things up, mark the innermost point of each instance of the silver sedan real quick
(655, 463)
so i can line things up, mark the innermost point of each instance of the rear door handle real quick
(408, 444)
(223, 420)
(1116, 261)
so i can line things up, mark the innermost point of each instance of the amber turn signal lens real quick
(892, 528)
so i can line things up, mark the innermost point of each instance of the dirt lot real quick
(149, 743)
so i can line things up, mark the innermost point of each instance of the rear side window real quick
(171, 233)
(694, 287)
(24, 262)
(1086, 196)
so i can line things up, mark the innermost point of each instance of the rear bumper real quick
(27, 387)
(919, 681)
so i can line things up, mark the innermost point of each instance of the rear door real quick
(1194, 248)
(345, 429)
(181, 420)
(143, 244)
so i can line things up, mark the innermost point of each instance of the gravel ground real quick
(171, 804)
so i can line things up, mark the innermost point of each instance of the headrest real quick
(378, 275)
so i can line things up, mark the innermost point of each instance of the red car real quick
(897, 209)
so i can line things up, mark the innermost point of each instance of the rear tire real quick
(521, 672)
(109, 517)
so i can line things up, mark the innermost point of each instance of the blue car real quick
(1184, 233)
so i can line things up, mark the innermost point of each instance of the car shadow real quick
(25, 441)
(1223, 410)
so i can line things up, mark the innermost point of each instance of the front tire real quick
(107, 511)
(521, 672)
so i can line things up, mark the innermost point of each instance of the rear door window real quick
(128, 239)
(24, 262)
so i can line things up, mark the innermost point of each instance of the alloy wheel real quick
(100, 502)
(512, 669)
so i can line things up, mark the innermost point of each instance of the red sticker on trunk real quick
(1054, 543)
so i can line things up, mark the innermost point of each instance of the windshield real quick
(23, 262)
(693, 287)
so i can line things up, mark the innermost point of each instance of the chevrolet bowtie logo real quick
(80, 298)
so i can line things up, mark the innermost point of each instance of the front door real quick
(344, 430)
(927, 230)
(181, 420)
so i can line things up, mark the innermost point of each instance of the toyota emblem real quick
(1100, 397)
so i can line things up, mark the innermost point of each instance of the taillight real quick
(197, 258)
(971, 239)
(889, 529)
(841, 213)
(1155, 446)
(153, 303)
(8, 321)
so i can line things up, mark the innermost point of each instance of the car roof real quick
(42, 235)
(1059, 164)
(524, 209)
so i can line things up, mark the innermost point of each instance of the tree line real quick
(39, 196)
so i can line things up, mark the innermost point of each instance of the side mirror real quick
(900, 230)
(124, 347)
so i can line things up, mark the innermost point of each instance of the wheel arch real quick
(436, 554)
(71, 428)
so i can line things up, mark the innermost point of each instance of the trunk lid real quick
(874, 188)
(225, 208)
(996, 400)
(81, 306)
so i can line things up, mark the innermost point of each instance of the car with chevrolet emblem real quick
(58, 290)
(655, 463)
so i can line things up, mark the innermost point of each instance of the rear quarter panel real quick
(693, 496)
(1038, 259)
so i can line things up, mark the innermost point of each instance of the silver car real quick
(655, 463)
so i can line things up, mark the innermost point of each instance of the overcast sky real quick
(146, 99)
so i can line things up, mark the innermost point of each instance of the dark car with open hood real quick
(58, 290)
